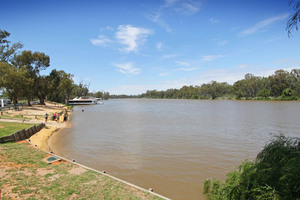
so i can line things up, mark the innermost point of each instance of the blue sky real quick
(128, 47)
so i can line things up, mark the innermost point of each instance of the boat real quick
(85, 101)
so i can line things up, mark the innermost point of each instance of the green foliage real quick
(20, 76)
(287, 94)
(7, 51)
(264, 93)
(206, 186)
(275, 174)
(282, 85)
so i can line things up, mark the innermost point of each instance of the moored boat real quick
(85, 101)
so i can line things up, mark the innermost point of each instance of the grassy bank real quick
(25, 175)
(8, 128)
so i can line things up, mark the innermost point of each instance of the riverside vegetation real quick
(21, 78)
(24, 175)
(282, 85)
(274, 175)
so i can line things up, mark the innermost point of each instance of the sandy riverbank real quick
(35, 114)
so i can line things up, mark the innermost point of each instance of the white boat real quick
(85, 101)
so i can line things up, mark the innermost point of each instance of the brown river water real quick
(172, 146)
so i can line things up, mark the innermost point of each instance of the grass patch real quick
(8, 128)
(28, 176)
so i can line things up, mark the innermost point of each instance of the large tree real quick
(215, 89)
(34, 63)
(248, 87)
(66, 85)
(14, 80)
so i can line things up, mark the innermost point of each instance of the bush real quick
(275, 174)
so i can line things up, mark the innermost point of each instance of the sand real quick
(40, 139)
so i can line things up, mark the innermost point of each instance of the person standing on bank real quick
(46, 117)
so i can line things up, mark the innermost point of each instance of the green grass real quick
(8, 128)
(30, 177)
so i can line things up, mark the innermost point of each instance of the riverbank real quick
(35, 115)
(26, 174)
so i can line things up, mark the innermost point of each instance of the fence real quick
(13, 107)
(22, 134)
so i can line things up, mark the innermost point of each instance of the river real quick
(172, 146)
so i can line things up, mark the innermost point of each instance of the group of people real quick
(56, 116)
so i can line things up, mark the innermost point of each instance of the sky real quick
(131, 46)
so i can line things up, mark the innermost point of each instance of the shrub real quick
(275, 174)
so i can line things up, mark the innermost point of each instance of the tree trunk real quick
(15, 101)
(42, 101)
(28, 102)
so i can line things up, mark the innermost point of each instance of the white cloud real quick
(187, 7)
(156, 18)
(283, 60)
(170, 56)
(213, 20)
(188, 69)
(242, 66)
(164, 74)
(127, 68)
(131, 37)
(102, 40)
(182, 63)
(211, 57)
(274, 39)
(107, 28)
(159, 46)
(264, 24)
(222, 42)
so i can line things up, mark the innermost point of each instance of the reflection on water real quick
(172, 146)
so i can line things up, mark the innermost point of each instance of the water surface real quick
(172, 146)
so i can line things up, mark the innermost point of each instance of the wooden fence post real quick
(35, 129)
(17, 136)
(22, 134)
(27, 134)
(30, 131)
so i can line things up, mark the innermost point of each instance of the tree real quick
(14, 80)
(295, 76)
(248, 87)
(81, 90)
(293, 21)
(34, 63)
(54, 81)
(215, 89)
(279, 81)
(6, 50)
(106, 95)
(42, 88)
(66, 85)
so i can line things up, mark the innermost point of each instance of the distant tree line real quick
(20, 76)
(282, 85)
